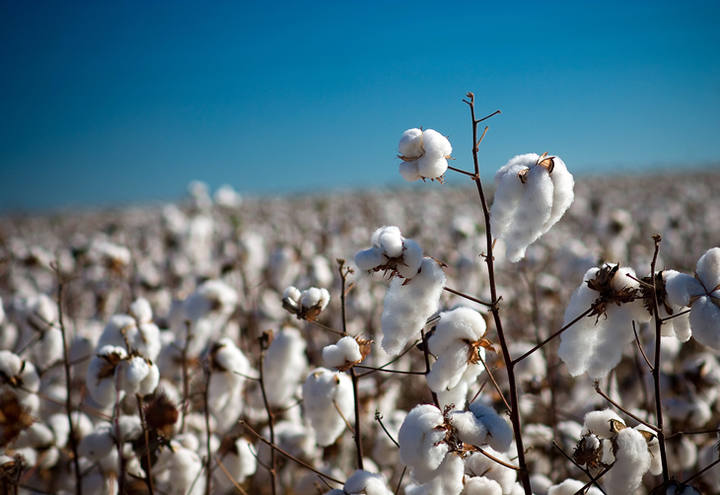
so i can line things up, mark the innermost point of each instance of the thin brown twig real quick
(68, 386)
(357, 434)
(460, 171)
(656, 366)
(288, 455)
(229, 476)
(467, 296)
(494, 382)
(270, 415)
(378, 418)
(185, 376)
(676, 315)
(548, 339)
(385, 370)
(402, 475)
(625, 411)
(143, 423)
(569, 458)
(640, 347)
(393, 360)
(699, 473)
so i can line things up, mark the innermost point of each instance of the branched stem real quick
(271, 417)
(656, 366)
(467, 296)
(148, 469)
(206, 409)
(514, 409)
(569, 458)
(68, 386)
(378, 418)
(623, 410)
(344, 272)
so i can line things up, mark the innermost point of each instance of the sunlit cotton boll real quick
(455, 343)
(702, 294)
(480, 465)
(632, 461)
(499, 432)
(448, 479)
(571, 487)
(479, 485)
(421, 441)
(344, 352)
(595, 343)
(284, 365)
(365, 483)
(530, 197)
(391, 251)
(100, 380)
(407, 306)
(327, 395)
(424, 154)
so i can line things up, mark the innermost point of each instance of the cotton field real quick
(367, 343)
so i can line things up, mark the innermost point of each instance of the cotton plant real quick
(701, 293)
(306, 304)
(424, 154)
(328, 403)
(229, 370)
(392, 253)
(594, 344)
(284, 365)
(532, 192)
(345, 353)
(113, 373)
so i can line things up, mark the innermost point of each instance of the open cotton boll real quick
(389, 240)
(424, 154)
(529, 199)
(213, 297)
(412, 258)
(705, 320)
(368, 259)
(131, 373)
(345, 351)
(679, 326)
(654, 449)
(291, 296)
(16, 371)
(571, 487)
(469, 429)
(600, 423)
(455, 342)
(97, 444)
(314, 297)
(480, 465)
(391, 252)
(284, 365)
(500, 433)
(421, 441)
(324, 393)
(180, 470)
(448, 479)
(632, 461)
(365, 483)
(408, 305)
(595, 344)
(140, 310)
(100, 379)
(479, 485)
(681, 287)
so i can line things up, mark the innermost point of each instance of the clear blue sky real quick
(123, 101)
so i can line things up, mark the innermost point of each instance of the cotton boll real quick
(479, 485)
(344, 352)
(469, 429)
(369, 258)
(100, 378)
(390, 241)
(213, 297)
(681, 287)
(563, 194)
(571, 487)
(292, 295)
(421, 441)
(708, 269)
(148, 385)
(508, 193)
(180, 470)
(456, 396)
(240, 463)
(540, 484)
(448, 479)
(480, 465)
(430, 166)
(435, 144)
(599, 423)
(366, 483)
(453, 342)
(98, 444)
(412, 259)
(324, 393)
(500, 433)
(140, 310)
(130, 373)
(407, 306)
(654, 449)
(632, 461)
(705, 321)
(409, 171)
(411, 143)
(284, 365)
(34, 436)
(227, 357)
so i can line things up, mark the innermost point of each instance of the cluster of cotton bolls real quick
(167, 313)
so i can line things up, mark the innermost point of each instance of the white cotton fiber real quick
(599, 422)
(130, 373)
(632, 461)
(366, 483)
(452, 343)
(140, 310)
(595, 345)
(705, 321)
(448, 479)
(480, 465)
(424, 154)
(529, 200)
(407, 306)
(284, 365)
(412, 257)
(327, 394)
(421, 441)
(681, 287)
(479, 485)
(500, 434)
(469, 429)
(368, 259)
(344, 352)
